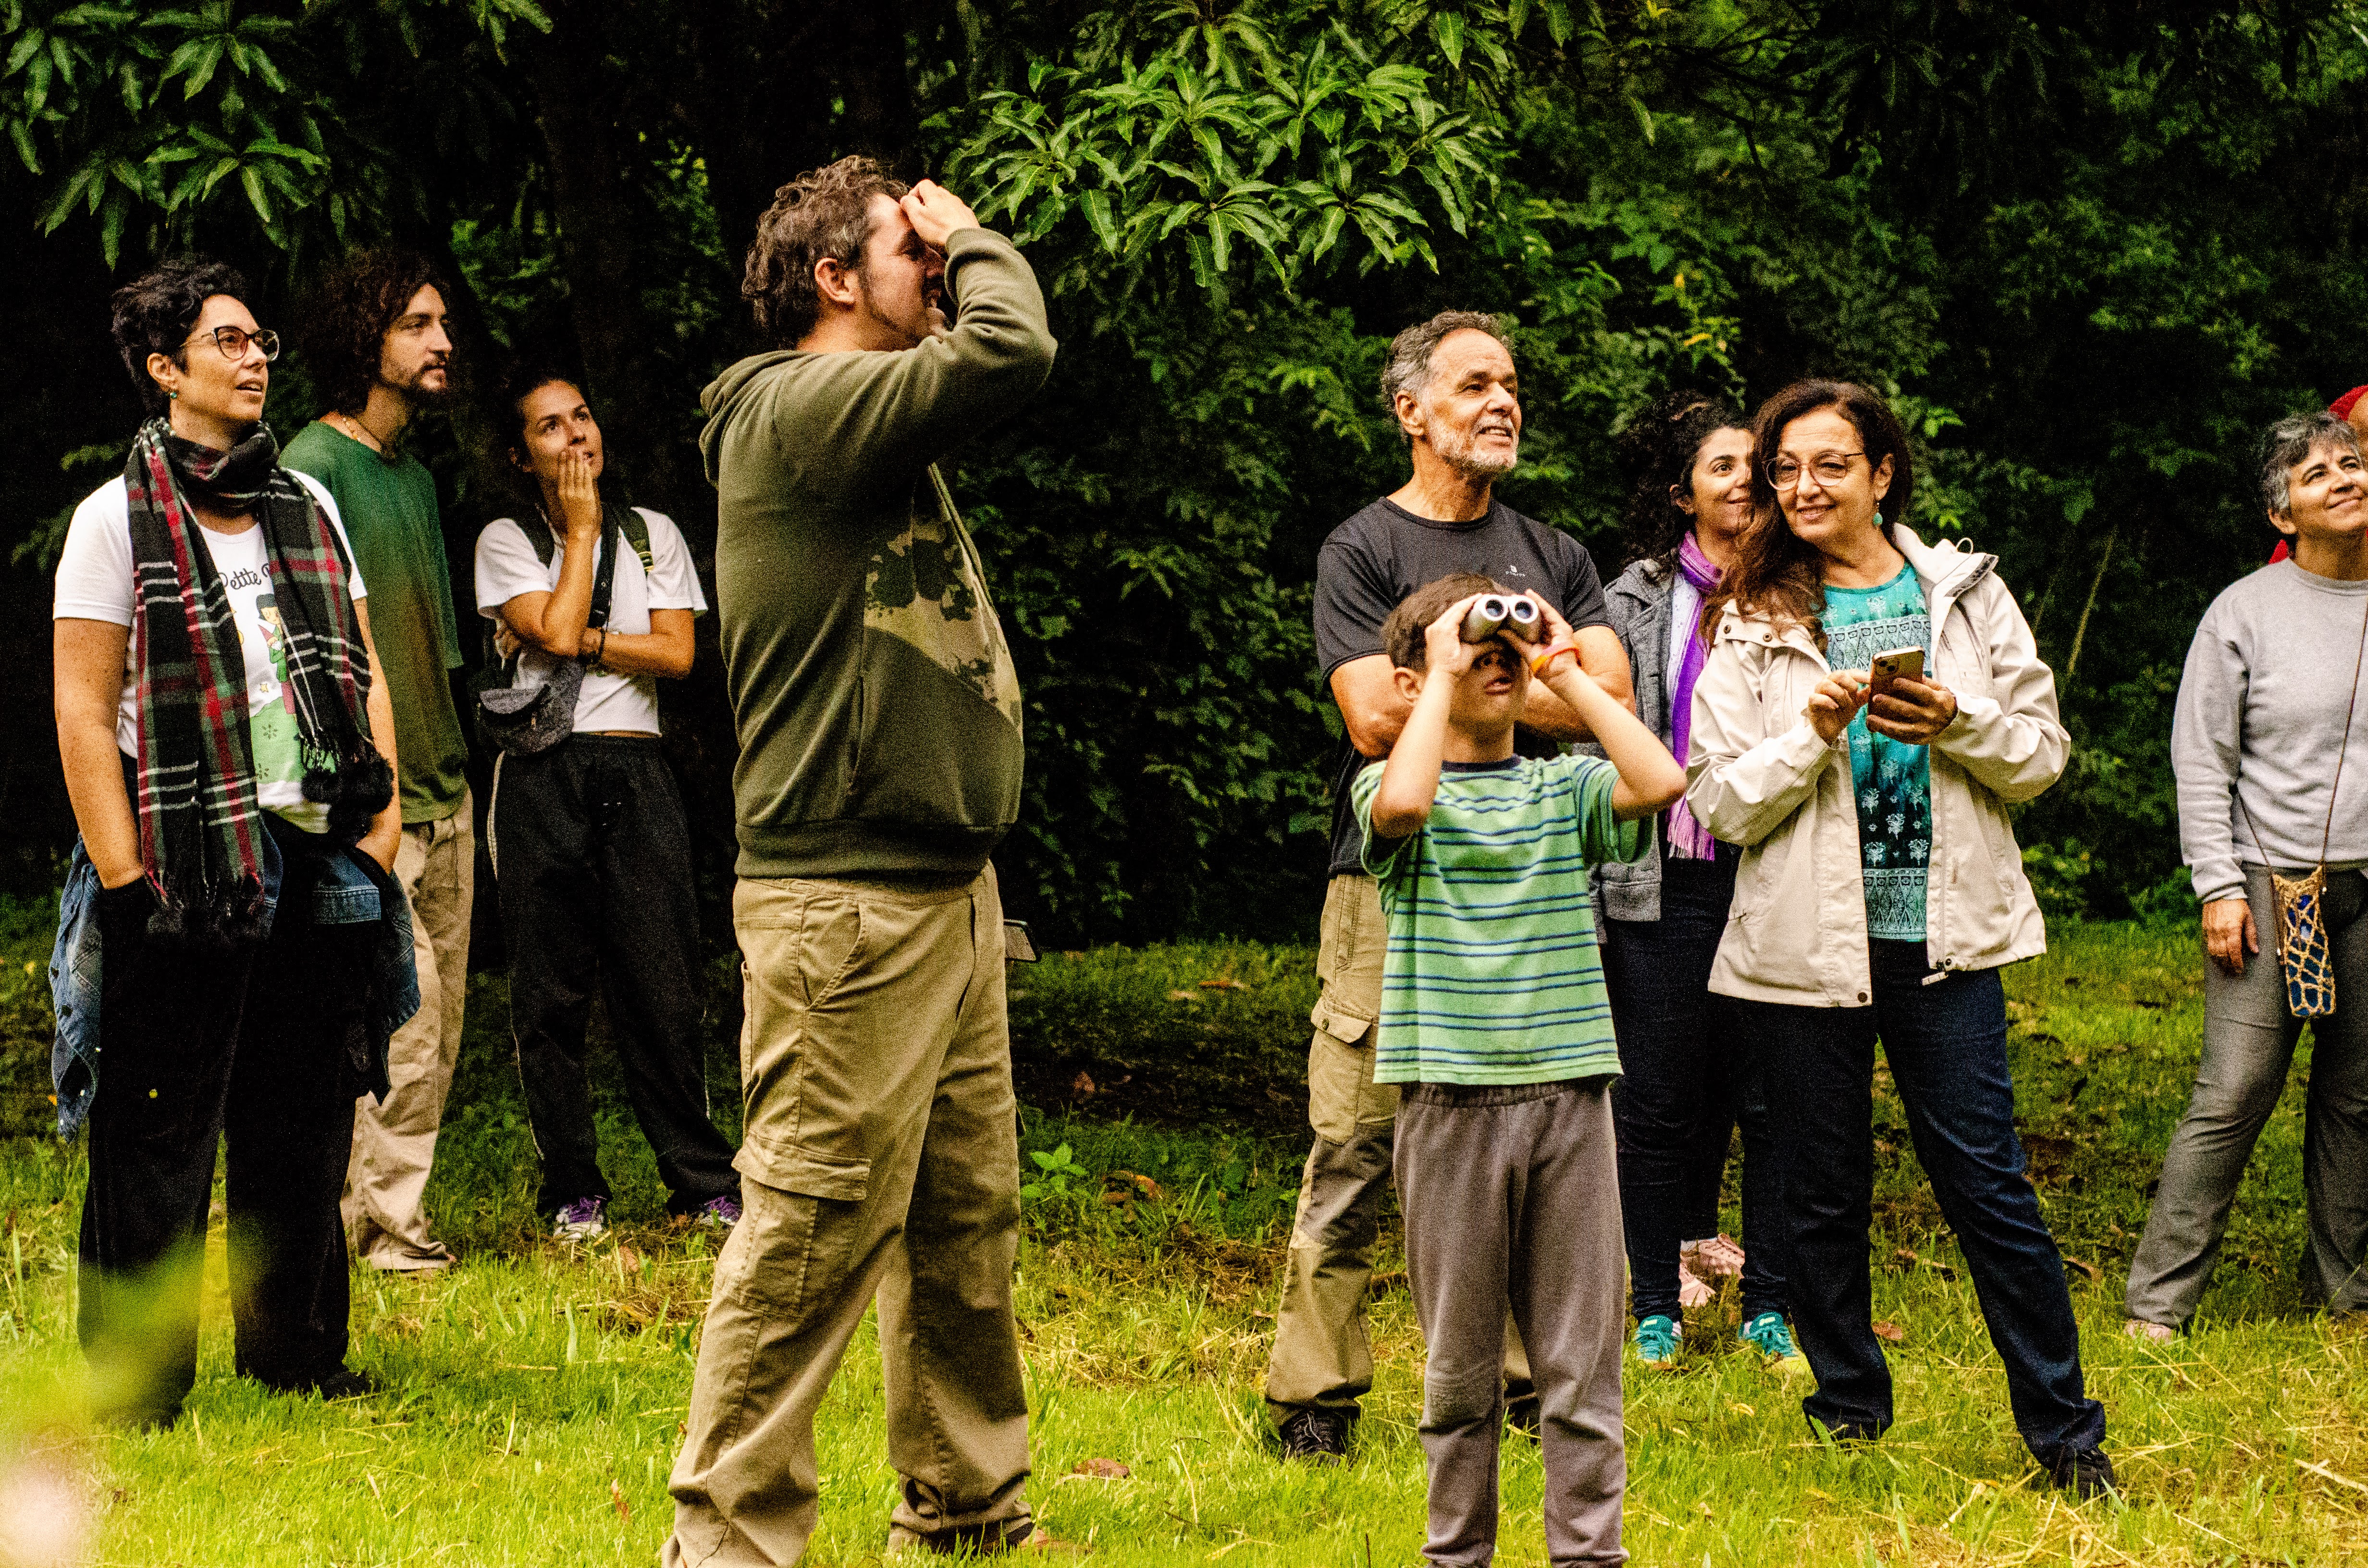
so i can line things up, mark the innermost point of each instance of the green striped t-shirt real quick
(1493, 974)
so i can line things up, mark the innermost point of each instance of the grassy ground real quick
(535, 1394)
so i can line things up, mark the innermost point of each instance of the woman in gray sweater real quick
(2264, 708)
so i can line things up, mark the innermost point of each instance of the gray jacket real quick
(1638, 605)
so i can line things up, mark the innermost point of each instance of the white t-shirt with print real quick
(506, 567)
(94, 583)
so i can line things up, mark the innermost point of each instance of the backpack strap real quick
(636, 530)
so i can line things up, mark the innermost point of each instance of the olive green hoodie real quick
(871, 685)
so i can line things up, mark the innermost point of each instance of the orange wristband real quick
(1549, 654)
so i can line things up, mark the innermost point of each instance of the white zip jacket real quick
(1761, 778)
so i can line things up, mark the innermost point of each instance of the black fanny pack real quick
(524, 720)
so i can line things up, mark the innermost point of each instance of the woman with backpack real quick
(591, 848)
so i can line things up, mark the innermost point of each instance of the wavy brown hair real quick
(823, 212)
(1776, 573)
(341, 330)
(1657, 454)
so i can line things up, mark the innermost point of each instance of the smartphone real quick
(1892, 665)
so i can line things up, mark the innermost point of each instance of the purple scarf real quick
(1688, 840)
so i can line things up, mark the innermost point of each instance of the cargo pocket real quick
(1340, 1093)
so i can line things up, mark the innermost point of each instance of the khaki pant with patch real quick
(394, 1139)
(1322, 1358)
(881, 1157)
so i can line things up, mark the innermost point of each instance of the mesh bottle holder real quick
(2304, 961)
(2303, 957)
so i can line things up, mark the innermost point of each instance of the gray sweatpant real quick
(1511, 1193)
(2249, 1041)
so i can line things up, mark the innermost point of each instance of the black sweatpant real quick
(592, 856)
(194, 1048)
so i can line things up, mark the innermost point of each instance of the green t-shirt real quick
(389, 508)
(1493, 974)
(1892, 780)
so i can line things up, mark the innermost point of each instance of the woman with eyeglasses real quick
(1870, 707)
(227, 958)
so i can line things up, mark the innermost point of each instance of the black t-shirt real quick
(1385, 552)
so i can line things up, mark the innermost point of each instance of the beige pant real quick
(1322, 1357)
(394, 1139)
(881, 1156)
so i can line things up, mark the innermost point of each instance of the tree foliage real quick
(2089, 247)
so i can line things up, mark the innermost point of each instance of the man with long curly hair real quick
(373, 337)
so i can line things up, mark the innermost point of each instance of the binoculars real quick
(1497, 613)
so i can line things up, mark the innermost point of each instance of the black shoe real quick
(343, 1383)
(1847, 1434)
(1319, 1437)
(1523, 1415)
(2084, 1472)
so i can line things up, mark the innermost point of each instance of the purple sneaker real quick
(718, 1213)
(581, 1221)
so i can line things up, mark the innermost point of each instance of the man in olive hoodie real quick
(880, 762)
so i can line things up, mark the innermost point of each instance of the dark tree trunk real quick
(591, 194)
(766, 74)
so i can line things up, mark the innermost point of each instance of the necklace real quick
(359, 431)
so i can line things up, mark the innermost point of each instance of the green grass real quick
(535, 1394)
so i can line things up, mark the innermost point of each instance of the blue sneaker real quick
(718, 1213)
(1768, 1334)
(1656, 1341)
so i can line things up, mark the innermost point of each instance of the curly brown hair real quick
(1656, 456)
(823, 212)
(341, 329)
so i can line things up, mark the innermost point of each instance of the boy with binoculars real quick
(1496, 1021)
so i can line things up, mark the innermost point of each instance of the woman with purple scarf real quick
(1688, 1076)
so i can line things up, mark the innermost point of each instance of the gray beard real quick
(1465, 460)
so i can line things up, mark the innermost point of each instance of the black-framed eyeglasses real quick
(233, 341)
(1831, 468)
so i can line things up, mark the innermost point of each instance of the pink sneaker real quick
(1692, 1291)
(1717, 1258)
(2155, 1333)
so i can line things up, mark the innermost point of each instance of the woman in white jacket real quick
(1881, 891)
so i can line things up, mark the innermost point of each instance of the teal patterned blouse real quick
(1893, 780)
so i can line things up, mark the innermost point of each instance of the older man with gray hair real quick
(1451, 383)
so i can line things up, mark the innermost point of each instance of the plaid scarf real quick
(200, 823)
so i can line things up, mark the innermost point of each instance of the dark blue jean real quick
(1688, 1074)
(1946, 1045)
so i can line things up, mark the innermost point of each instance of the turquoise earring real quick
(170, 392)
(1878, 518)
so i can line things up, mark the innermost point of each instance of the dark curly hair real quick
(1776, 573)
(823, 213)
(154, 314)
(341, 329)
(1657, 453)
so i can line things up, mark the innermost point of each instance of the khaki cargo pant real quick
(881, 1156)
(1322, 1358)
(394, 1139)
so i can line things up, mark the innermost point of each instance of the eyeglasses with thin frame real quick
(232, 342)
(1831, 468)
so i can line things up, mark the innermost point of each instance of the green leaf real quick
(253, 181)
(1447, 27)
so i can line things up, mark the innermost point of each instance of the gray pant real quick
(2249, 1040)
(1322, 1358)
(1512, 1193)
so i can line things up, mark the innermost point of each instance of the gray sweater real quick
(2261, 716)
